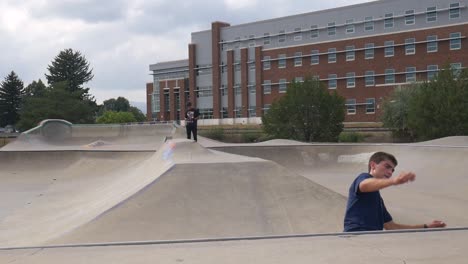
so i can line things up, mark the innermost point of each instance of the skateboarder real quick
(366, 210)
(191, 117)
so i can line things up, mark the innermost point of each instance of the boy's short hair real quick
(189, 104)
(380, 156)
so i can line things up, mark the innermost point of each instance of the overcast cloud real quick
(121, 38)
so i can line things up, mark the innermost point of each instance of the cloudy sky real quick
(121, 38)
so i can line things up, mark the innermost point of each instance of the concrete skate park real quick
(145, 194)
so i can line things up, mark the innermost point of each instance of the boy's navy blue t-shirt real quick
(364, 211)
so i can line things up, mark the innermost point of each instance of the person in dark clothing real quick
(366, 209)
(191, 117)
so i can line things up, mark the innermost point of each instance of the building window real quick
(432, 45)
(369, 78)
(351, 106)
(455, 41)
(266, 107)
(297, 59)
(410, 48)
(238, 111)
(237, 66)
(332, 55)
(389, 49)
(369, 51)
(314, 58)
(266, 39)
(432, 71)
(282, 61)
(224, 112)
(314, 33)
(237, 43)
(252, 88)
(368, 24)
(206, 113)
(282, 86)
(297, 34)
(388, 21)
(350, 55)
(331, 29)
(454, 11)
(299, 79)
(389, 76)
(332, 81)
(456, 68)
(350, 80)
(349, 26)
(431, 14)
(223, 90)
(410, 74)
(409, 17)
(267, 87)
(370, 105)
(237, 88)
(251, 40)
(266, 63)
(252, 112)
(251, 65)
(281, 36)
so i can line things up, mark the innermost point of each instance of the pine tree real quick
(35, 88)
(11, 93)
(71, 67)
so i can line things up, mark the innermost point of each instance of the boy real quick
(366, 210)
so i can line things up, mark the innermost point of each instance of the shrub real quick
(350, 137)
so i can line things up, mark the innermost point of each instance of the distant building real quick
(363, 51)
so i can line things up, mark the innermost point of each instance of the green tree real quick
(11, 93)
(72, 67)
(111, 117)
(395, 111)
(139, 116)
(307, 112)
(35, 88)
(121, 104)
(57, 102)
(433, 109)
(439, 108)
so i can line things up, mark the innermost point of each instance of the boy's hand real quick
(404, 177)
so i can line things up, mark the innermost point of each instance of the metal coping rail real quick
(227, 239)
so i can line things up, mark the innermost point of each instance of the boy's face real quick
(382, 170)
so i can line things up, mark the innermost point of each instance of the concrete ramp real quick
(217, 200)
(43, 202)
(182, 191)
(439, 192)
(53, 134)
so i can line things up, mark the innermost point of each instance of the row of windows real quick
(389, 76)
(369, 51)
(351, 106)
(431, 16)
(369, 77)
(369, 80)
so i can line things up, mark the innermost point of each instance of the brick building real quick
(363, 51)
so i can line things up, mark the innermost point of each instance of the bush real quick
(250, 137)
(350, 137)
(216, 133)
